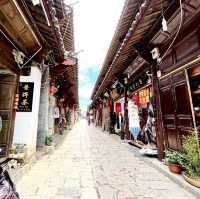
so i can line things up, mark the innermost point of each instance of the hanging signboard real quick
(25, 96)
(139, 82)
(70, 61)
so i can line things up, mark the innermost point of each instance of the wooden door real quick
(7, 93)
(176, 110)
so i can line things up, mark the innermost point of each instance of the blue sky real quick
(94, 25)
(87, 79)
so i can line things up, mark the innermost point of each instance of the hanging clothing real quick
(108, 103)
(118, 107)
(135, 99)
(1, 123)
(144, 97)
(56, 113)
(134, 122)
(150, 130)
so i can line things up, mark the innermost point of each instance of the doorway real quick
(176, 110)
(8, 85)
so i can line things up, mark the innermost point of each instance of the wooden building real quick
(15, 33)
(172, 78)
(39, 37)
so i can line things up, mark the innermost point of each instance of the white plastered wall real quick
(26, 123)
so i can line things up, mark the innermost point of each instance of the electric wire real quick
(177, 33)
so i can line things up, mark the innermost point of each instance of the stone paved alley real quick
(92, 164)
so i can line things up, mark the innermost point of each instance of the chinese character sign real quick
(25, 96)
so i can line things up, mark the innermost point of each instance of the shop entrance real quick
(7, 93)
(176, 111)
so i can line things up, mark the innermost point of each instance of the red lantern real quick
(52, 89)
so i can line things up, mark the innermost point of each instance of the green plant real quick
(190, 160)
(173, 157)
(48, 140)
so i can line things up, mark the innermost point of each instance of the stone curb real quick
(155, 163)
(17, 174)
(178, 179)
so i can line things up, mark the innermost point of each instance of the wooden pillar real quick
(112, 128)
(125, 126)
(158, 112)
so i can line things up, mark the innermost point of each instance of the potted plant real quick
(173, 158)
(191, 159)
(49, 140)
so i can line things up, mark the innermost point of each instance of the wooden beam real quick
(144, 52)
(2, 2)
(188, 7)
(6, 56)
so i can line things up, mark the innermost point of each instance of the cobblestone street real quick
(91, 164)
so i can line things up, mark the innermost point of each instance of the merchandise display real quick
(134, 122)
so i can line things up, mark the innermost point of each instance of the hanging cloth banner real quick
(144, 97)
(118, 107)
(108, 103)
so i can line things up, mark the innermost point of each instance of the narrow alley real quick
(91, 164)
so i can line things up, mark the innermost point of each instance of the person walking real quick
(88, 117)
(91, 116)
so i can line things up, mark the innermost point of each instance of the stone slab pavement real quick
(91, 164)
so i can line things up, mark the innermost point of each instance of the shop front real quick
(179, 88)
(141, 117)
(119, 116)
(180, 99)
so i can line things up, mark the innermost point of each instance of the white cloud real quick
(85, 90)
(94, 25)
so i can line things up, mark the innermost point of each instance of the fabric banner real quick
(144, 97)
(118, 107)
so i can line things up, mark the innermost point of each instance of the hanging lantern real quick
(52, 89)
